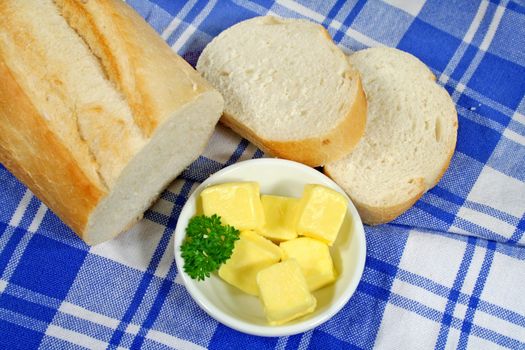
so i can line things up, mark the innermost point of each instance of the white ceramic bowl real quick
(244, 312)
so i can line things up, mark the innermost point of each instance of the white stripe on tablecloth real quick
(88, 315)
(362, 38)
(488, 221)
(281, 343)
(305, 11)
(474, 63)
(3, 285)
(176, 20)
(411, 7)
(35, 224)
(305, 340)
(170, 28)
(178, 279)
(192, 27)
(474, 25)
(20, 210)
(514, 136)
(171, 341)
(519, 118)
(75, 338)
(492, 28)
(132, 329)
(469, 35)
(95, 317)
(24, 241)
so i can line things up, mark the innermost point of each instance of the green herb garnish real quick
(208, 244)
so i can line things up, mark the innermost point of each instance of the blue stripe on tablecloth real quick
(258, 154)
(163, 292)
(170, 6)
(333, 13)
(236, 340)
(7, 252)
(347, 22)
(498, 214)
(156, 217)
(237, 154)
(432, 314)
(146, 278)
(436, 212)
(466, 327)
(320, 339)
(293, 342)
(444, 291)
(454, 293)
(447, 195)
(173, 197)
(519, 233)
(201, 169)
(483, 232)
(32, 296)
(516, 6)
(195, 11)
(18, 319)
(26, 308)
(17, 233)
(497, 311)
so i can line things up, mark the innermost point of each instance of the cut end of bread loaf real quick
(98, 115)
(153, 168)
(288, 88)
(409, 138)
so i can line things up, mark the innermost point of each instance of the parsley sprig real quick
(208, 244)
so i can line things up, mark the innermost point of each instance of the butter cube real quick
(314, 258)
(280, 216)
(284, 292)
(321, 213)
(237, 203)
(251, 253)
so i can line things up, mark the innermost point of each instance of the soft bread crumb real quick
(288, 88)
(409, 138)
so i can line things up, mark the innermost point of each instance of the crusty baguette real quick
(409, 139)
(97, 115)
(288, 88)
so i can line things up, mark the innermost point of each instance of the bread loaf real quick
(409, 139)
(287, 88)
(97, 114)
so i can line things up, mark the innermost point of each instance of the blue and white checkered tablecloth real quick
(449, 273)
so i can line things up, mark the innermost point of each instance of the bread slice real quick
(409, 138)
(97, 114)
(288, 88)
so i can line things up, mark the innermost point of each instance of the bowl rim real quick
(268, 330)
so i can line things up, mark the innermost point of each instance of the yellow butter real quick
(237, 203)
(321, 213)
(280, 216)
(314, 258)
(284, 293)
(251, 253)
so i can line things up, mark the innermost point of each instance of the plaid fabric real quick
(449, 273)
